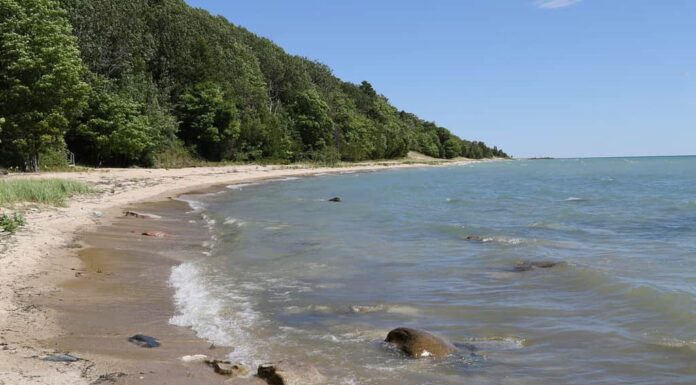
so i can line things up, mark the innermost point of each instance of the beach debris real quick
(532, 265)
(335, 199)
(136, 214)
(194, 358)
(144, 341)
(290, 373)
(155, 234)
(226, 368)
(419, 343)
(60, 358)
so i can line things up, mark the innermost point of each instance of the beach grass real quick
(52, 192)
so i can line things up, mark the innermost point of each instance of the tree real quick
(113, 130)
(40, 86)
(209, 122)
(312, 121)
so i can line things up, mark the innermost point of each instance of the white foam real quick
(240, 186)
(226, 318)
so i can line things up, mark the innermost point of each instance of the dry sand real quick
(55, 298)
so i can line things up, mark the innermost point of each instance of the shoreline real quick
(42, 257)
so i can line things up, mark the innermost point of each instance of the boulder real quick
(532, 265)
(419, 343)
(475, 238)
(335, 200)
(144, 341)
(289, 373)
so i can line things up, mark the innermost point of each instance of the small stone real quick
(226, 368)
(288, 373)
(144, 341)
(155, 234)
(60, 358)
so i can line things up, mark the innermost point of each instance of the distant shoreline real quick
(42, 257)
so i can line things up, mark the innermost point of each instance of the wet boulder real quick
(144, 341)
(289, 373)
(419, 343)
(533, 265)
(475, 238)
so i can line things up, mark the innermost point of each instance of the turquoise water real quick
(286, 269)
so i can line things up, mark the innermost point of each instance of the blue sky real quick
(559, 78)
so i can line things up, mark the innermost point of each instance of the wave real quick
(575, 199)
(240, 186)
(226, 318)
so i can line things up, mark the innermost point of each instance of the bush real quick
(10, 224)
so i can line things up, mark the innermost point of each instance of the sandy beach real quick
(62, 291)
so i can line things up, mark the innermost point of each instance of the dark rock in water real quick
(475, 238)
(144, 341)
(336, 199)
(226, 368)
(419, 343)
(60, 358)
(531, 265)
(288, 373)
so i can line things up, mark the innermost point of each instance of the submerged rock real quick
(531, 265)
(226, 368)
(144, 341)
(419, 343)
(475, 238)
(335, 199)
(60, 358)
(288, 373)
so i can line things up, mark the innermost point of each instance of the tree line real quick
(122, 83)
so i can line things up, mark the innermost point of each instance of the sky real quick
(560, 78)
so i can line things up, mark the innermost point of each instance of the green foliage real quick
(209, 122)
(11, 223)
(159, 82)
(40, 85)
(113, 130)
(44, 191)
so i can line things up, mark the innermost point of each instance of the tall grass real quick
(53, 192)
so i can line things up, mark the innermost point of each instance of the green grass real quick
(53, 192)
(11, 223)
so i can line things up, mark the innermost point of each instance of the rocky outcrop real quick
(289, 373)
(532, 265)
(419, 343)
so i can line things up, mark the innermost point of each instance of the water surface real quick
(286, 269)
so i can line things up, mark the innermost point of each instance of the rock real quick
(531, 265)
(226, 368)
(194, 358)
(335, 200)
(144, 341)
(475, 238)
(155, 234)
(419, 343)
(97, 214)
(136, 214)
(60, 358)
(288, 373)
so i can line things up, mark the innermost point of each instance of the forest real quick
(154, 83)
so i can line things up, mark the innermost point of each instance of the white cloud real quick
(555, 4)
